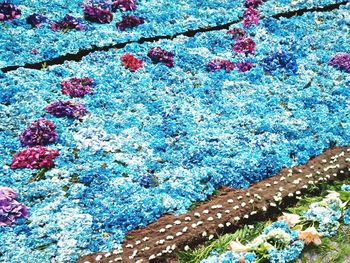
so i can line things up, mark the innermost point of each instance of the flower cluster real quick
(244, 66)
(129, 21)
(68, 22)
(124, 5)
(97, 14)
(237, 33)
(148, 180)
(34, 158)
(253, 3)
(341, 61)
(69, 109)
(36, 20)
(250, 17)
(280, 60)
(9, 12)
(244, 46)
(77, 87)
(40, 132)
(131, 62)
(10, 209)
(218, 64)
(160, 55)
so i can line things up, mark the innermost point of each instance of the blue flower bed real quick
(183, 130)
(21, 44)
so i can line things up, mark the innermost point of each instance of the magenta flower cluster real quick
(244, 46)
(129, 21)
(251, 16)
(34, 158)
(69, 109)
(237, 33)
(77, 87)
(10, 209)
(124, 5)
(218, 64)
(8, 12)
(40, 132)
(159, 55)
(36, 20)
(253, 3)
(67, 23)
(97, 14)
(341, 61)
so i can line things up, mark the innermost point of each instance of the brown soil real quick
(226, 212)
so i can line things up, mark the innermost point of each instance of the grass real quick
(332, 250)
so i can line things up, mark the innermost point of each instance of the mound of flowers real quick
(29, 29)
(127, 135)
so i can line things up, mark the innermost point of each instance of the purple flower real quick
(10, 209)
(9, 12)
(67, 23)
(129, 21)
(253, 3)
(159, 55)
(77, 87)
(244, 66)
(124, 5)
(341, 61)
(218, 64)
(97, 14)
(40, 132)
(237, 33)
(69, 109)
(35, 158)
(36, 20)
(245, 46)
(250, 16)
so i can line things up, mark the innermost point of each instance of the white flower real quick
(236, 246)
(291, 219)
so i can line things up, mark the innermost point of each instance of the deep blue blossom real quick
(280, 61)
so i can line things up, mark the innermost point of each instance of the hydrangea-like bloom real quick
(341, 61)
(40, 132)
(346, 217)
(67, 23)
(9, 12)
(218, 64)
(253, 3)
(237, 33)
(244, 66)
(124, 5)
(250, 16)
(245, 46)
(159, 55)
(34, 158)
(280, 60)
(131, 62)
(36, 20)
(129, 21)
(69, 109)
(97, 14)
(10, 209)
(77, 87)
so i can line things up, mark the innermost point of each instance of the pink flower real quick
(245, 46)
(291, 219)
(131, 62)
(250, 16)
(34, 158)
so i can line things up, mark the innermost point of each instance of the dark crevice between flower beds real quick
(190, 33)
(227, 212)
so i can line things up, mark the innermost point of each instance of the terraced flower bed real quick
(137, 146)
